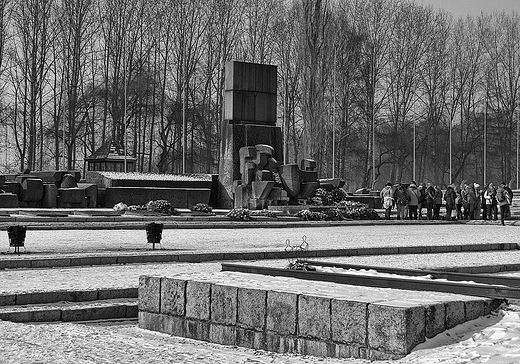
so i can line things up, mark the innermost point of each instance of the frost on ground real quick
(492, 339)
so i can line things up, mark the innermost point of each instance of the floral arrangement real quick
(202, 207)
(323, 197)
(239, 214)
(264, 212)
(161, 206)
(308, 215)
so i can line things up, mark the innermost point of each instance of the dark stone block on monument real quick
(261, 189)
(12, 187)
(68, 181)
(308, 176)
(71, 198)
(307, 189)
(244, 76)
(50, 195)
(291, 180)
(8, 200)
(308, 165)
(91, 192)
(32, 190)
(250, 107)
(330, 184)
(2, 180)
(263, 175)
(55, 176)
(257, 204)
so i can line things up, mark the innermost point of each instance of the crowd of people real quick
(465, 202)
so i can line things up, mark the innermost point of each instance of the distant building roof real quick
(109, 150)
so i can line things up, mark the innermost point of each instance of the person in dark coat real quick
(449, 197)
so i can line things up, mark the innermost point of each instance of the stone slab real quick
(149, 294)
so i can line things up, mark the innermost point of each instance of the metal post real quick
(373, 119)
(517, 149)
(451, 171)
(334, 116)
(414, 150)
(485, 138)
(125, 86)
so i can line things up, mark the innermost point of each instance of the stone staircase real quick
(69, 306)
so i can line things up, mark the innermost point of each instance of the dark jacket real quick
(449, 196)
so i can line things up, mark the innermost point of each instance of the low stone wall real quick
(325, 325)
(178, 197)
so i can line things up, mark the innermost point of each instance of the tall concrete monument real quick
(250, 92)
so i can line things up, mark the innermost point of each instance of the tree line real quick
(372, 90)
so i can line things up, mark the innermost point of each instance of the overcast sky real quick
(473, 7)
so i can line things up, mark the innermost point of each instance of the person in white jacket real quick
(387, 199)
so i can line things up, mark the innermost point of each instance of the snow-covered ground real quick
(492, 339)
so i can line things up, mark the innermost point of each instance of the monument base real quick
(234, 137)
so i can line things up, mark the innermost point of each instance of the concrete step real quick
(49, 297)
(71, 311)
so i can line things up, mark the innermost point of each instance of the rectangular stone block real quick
(195, 329)
(8, 200)
(281, 312)
(50, 196)
(71, 197)
(111, 293)
(314, 317)
(280, 343)
(222, 334)
(173, 293)
(161, 323)
(455, 314)
(224, 304)
(250, 339)
(435, 319)
(44, 315)
(198, 296)
(252, 308)
(349, 321)
(474, 309)
(7, 300)
(395, 328)
(149, 294)
(315, 348)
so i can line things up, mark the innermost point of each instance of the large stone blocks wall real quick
(283, 322)
(178, 197)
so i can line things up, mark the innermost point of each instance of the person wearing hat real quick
(413, 193)
(387, 199)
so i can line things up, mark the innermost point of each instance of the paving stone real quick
(281, 312)
(198, 300)
(173, 292)
(224, 304)
(314, 317)
(149, 293)
(395, 329)
(252, 308)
